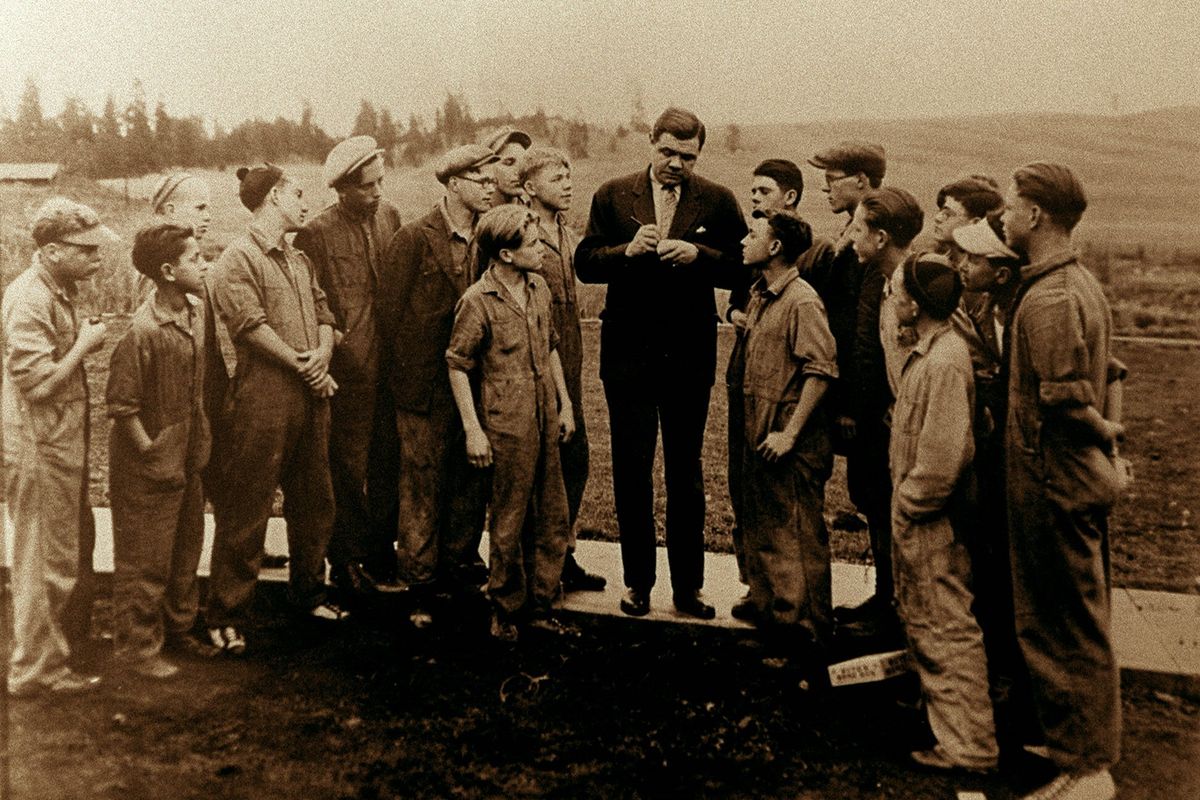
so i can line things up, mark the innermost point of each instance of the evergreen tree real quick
(139, 138)
(367, 121)
(386, 135)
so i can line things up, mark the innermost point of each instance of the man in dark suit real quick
(425, 271)
(661, 239)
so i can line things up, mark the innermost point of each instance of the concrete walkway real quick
(1152, 631)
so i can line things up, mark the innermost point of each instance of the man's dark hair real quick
(894, 211)
(785, 173)
(790, 230)
(978, 194)
(680, 123)
(1054, 189)
(156, 245)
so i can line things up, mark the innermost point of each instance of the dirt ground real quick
(629, 710)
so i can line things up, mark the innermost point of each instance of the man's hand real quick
(644, 241)
(324, 386)
(566, 423)
(847, 427)
(312, 364)
(479, 449)
(777, 445)
(91, 336)
(677, 251)
(738, 319)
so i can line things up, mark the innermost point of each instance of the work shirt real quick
(512, 347)
(263, 282)
(157, 373)
(40, 328)
(1060, 344)
(346, 254)
(558, 270)
(932, 434)
(460, 245)
(787, 341)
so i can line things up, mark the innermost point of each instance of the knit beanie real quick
(933, 283)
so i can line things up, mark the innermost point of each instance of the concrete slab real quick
(1152, 631)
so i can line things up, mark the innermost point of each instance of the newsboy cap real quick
(62, 220)
(933, 283)
(462, 158)
(852, 157)
(497, 139)
(347, 156)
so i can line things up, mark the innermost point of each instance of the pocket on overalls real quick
(164, 462)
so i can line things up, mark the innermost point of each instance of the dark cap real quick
(852, 158)
(933, 283)
(463, 158)
(256, 182)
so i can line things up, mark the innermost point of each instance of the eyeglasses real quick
(829, 182)
(483, 181)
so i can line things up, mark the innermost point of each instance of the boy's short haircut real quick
(1054, 189)
(680, 123)
(502, 228)
(536, 159)
(790, 230)
(785, 173)
(978, 194)
(894, 211)
(156, 245)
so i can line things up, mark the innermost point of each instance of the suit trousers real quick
(636, 409)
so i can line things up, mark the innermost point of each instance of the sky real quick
(729, 60)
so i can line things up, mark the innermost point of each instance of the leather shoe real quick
(353, 579)
(636, 603)
(744, 610)
(577, 579)
(74, 683)
(690, 604)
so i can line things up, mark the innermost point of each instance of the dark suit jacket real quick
(419, 285)
(660, 320)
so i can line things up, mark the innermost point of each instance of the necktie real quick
(670, 199)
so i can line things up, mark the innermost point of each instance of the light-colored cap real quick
(62, 220)
(463, 158)
(165, 187)
(979, 239)
(348, 155)
(496, 141)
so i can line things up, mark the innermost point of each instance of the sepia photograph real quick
(627, 399)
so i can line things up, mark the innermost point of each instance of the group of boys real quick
(405, 383)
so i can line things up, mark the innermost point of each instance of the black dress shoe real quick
(690, 604)
(353, 579)
(636, 603)
(744, 610)
(577, 579)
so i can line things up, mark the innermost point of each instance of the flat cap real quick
(62, 220)
(165, 187)
(462, 158)
(496, 141)
(933, 283)
(852, 157)
(980, 239)
(347, 156)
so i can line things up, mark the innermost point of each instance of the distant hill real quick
(1141, 171)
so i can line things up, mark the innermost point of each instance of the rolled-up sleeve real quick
(1054, 336)
(124, 393)
(1116, 371)
(236, 293)
(470, 327)
(812, 342)
(29, 343)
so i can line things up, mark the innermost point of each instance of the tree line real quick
(129, 140)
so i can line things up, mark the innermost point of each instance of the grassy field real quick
(1139, 235)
